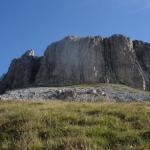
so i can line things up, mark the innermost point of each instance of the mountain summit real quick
(77, 60)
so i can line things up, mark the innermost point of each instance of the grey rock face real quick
(121, 62)
(142, 51)
(75, 60)
(28, 53)
(22, 72)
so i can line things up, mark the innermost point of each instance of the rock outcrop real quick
(73, 60)
(76, 60)
(117, 59)
(22, 72)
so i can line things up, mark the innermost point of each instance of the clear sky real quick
(26, 24)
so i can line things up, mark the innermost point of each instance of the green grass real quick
(74, 126)
(116, 87)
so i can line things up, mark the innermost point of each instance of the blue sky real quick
(26, 24)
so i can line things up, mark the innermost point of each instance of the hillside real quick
(74, 126)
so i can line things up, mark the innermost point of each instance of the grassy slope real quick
(116, 87)
(74, 126)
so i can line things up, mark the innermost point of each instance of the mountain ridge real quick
(77, 60)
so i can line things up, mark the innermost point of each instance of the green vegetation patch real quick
(74, 126)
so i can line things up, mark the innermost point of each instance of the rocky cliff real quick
(76, 60)
(22, 72)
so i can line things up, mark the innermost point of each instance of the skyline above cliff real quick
(35, 23)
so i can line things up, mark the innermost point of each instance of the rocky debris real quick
(76, 94)
(76, 60)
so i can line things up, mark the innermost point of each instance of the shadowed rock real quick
(22, 72)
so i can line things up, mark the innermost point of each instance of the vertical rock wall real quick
(75, 60)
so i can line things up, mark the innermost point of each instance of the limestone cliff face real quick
(142, 51)
(22, 72)
(73, 60)
(121, 62)
(76, 60)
